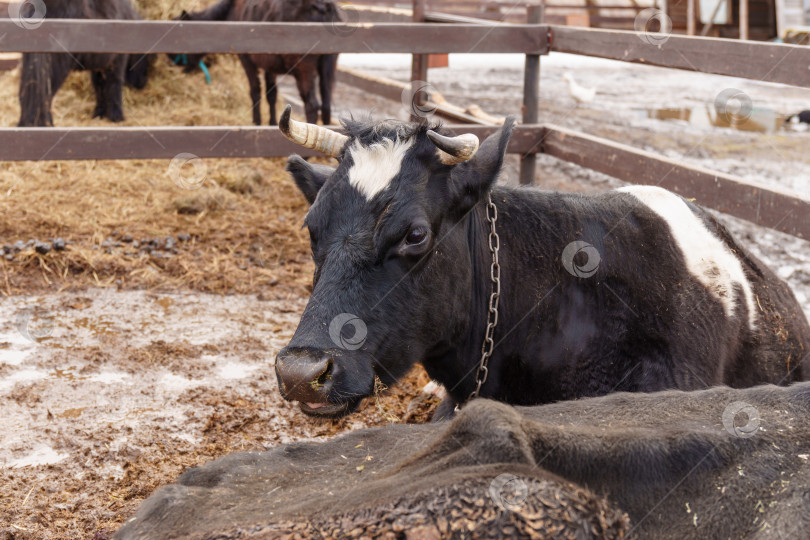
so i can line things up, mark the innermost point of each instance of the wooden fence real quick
(768, 206)
(612, 15)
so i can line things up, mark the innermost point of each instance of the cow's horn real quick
(454, 149)
(311, 136)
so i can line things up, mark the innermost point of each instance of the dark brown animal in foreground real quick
(44, 73)
(306, 68)
(718, 463)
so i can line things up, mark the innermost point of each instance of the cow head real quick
(392, 282)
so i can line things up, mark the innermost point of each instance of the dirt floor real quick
(127, 356)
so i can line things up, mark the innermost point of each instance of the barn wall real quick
(761, 16)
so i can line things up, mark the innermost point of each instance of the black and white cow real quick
(637, 289)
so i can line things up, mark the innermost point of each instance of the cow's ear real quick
(471, 180)
(308, 177)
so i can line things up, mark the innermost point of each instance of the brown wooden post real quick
(690, 18)
(419, 63)
(531, 96)
(743, 19)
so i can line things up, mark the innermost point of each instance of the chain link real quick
(494, 298)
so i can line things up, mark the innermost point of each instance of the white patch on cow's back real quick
(707, 257)
(373, 167)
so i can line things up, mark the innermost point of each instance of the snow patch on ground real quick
(40, 455)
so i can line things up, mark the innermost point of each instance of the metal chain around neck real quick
(494, 298)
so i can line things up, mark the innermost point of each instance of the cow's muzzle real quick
(308, 376)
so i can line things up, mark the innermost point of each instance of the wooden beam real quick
(63, 35)
(691, 17)
(419, 67)
(768, 206)
(436, 17)
(743, 19)
(374, 84)
(387, 14)
(379, 14)
(531, 97)
(769, 62)
(41, 144)
(392, 89)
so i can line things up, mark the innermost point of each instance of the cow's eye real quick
(416, 236)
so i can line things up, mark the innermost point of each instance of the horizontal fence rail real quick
(764, 205)
(769, 206)
(36, 144)
(769, 62)
(779, 63)
(80, 35)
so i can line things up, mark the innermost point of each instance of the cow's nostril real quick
(326, 374)
(305, 376)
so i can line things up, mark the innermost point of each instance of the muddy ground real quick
(108, 394)
(119, 368)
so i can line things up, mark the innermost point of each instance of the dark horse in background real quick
(44, 73)
(305, 68)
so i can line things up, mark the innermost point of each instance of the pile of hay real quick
(244, 216)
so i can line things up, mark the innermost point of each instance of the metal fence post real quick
(531, 90)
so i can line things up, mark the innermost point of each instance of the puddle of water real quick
(707, 116)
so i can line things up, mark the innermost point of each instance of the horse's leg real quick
(98, 85)
(42, 74)
(252, 73)
(305, 81)
(272, 94)
(61, 66)
(327, 65)
(38, 77)
(113, 88)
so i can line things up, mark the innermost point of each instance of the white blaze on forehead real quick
(707, 257)
(373, 167)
